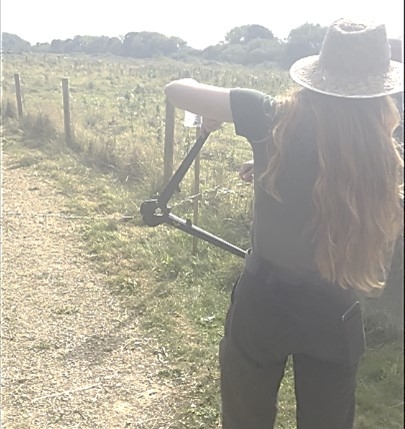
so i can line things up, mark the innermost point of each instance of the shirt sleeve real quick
(252, 113)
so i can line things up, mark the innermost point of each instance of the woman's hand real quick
(209, 125)
(246, 171)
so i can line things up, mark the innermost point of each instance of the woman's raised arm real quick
(208, 101)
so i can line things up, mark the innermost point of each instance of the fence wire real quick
(65, 216)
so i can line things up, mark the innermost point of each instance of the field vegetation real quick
(116, 163)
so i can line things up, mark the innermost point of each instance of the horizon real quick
(44, 20)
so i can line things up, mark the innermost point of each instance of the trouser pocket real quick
(228, 314)
(354, 343)
(234, 288)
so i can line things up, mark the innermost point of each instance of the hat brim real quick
(307, 73)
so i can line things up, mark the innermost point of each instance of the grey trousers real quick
(271, 317)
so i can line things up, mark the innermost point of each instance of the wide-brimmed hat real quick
(354, 62)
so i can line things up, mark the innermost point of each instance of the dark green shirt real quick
(280, 230)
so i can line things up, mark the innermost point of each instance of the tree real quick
(233, 53)
(213, 52)
(246, 33)
(13, 43)
(311, 35)
(95, 45)
(303, 41)
(263, 50)
(42, 47)
(114, 46)
(77, 44)
(58, 45)
(146, 44)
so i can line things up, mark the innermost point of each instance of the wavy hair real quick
(358, 194)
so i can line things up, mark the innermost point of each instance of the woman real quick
(327, 211)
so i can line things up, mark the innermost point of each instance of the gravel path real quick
(71, 354)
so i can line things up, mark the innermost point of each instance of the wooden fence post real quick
(18, 95)
(66, 111)
(169, 142)
(196, 190)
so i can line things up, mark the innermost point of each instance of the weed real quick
(66, 310)
(38, 129)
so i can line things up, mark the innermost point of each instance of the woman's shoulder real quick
(251, 97)
(253, 112)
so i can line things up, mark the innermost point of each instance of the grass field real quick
(116, 164)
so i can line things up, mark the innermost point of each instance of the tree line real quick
(247, 45)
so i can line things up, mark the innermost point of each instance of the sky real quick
(199, 24)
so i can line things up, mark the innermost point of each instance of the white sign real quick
(192, 120)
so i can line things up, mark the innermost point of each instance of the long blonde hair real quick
(357, 196)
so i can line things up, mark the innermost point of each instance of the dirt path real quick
(71, 355)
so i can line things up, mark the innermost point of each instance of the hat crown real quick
(355, 48)
(354, 62)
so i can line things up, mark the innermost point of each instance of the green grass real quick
(380, 388)
(180, 298)
(117, 107)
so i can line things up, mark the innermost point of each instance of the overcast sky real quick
(199, 24)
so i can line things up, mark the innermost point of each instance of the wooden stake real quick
(169, 142)
(18, 95)
(66, 111)
(196, 191)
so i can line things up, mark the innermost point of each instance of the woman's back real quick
(341, 154)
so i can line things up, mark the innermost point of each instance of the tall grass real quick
(117, 105)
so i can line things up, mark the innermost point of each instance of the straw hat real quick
(354, 62)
